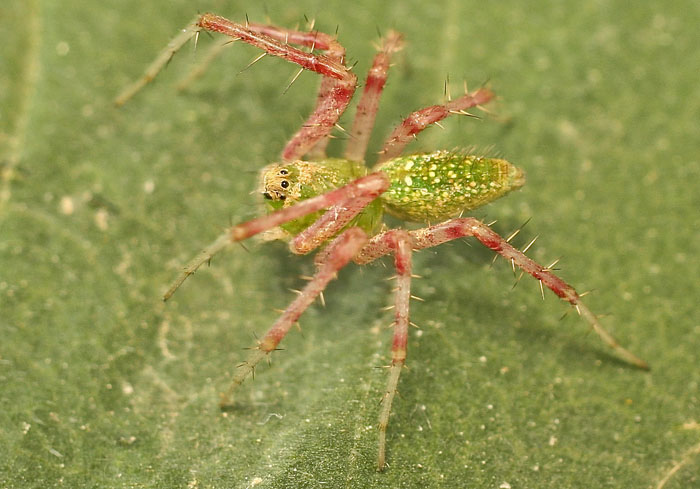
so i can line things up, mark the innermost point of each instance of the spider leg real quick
(399, 242)
(335, 93)
(469, 226)
(333, 50)
(343, 204)
(369, 102)
(339, 253)
(325, 90)
(161, 60)
(420, 119)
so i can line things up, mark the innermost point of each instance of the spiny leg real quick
(310, 39)
(334, 50)
(341, 201)
(399, 242)
(318, 151)
(336, 94)
(339, 253)
(328, 110)
(419, 120)
(469, 226)
(190, 31)
(314, 39)
(473, 227)
(369, 102)
(339, 214)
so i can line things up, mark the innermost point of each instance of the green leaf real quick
(103, 385)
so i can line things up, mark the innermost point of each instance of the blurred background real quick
(101, 384)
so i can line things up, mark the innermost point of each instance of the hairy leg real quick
(318, 151)
(332, 49)
(469, 226)
(342, 204)
(369, 102)
(161, 60)
(336, 94)
(311, 39)
(399, 242)
(419, 120)
(339, 253)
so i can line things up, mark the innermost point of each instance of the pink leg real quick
(343, 204)
(311, 39)
(419, 120)
(337, 98)
(341, 201)
(339, 253)
(314, 40)
(399, 242)
(369, 103)
(338, 215)
(469, 226)
(318, 151)
(336, 93)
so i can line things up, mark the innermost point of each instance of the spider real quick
(336, 204)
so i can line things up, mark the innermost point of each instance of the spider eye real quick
(284, 184)
(284, 171)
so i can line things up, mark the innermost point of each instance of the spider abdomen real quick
(435, 186)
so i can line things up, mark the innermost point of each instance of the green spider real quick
(336, 204)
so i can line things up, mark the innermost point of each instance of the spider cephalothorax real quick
(337, 204)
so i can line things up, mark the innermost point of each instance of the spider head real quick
(279, 185)
(284, 184)
(276, 184)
